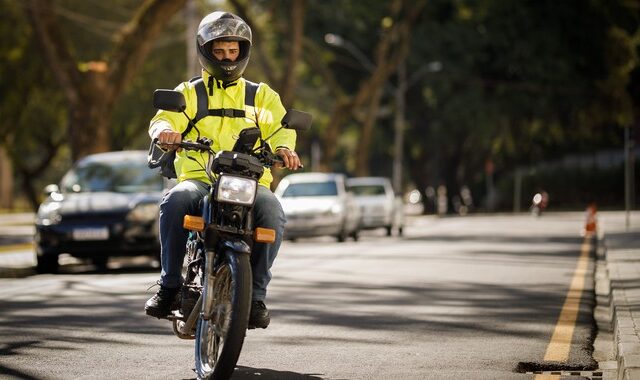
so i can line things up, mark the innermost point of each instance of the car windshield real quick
(311, 189)
(125, 176)
(367, 189)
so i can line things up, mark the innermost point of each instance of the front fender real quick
(236, 245)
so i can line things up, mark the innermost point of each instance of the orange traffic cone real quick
(590, 225)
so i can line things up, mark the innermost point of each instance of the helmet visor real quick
(227, 28)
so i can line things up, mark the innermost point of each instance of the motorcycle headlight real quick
(236, 190)
(145, 212)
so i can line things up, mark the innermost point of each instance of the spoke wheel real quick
(219, 339)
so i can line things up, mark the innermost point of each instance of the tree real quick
(91, 88)
(286, 32)
(522, 82)
(32, 110)
(392, 22)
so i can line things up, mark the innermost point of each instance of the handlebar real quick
(267, 158)
(204, 146)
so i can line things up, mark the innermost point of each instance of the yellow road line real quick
(15, 247)
(560, 344)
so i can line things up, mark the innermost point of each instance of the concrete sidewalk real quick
(16, 228)
(618, 289)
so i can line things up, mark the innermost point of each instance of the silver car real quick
(318, 204)
(379, 207)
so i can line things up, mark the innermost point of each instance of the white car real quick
(379, 207)
(318, 204)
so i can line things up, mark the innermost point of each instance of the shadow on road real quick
(116, 266)
(246, 373)
(470, 307)
(496, 238)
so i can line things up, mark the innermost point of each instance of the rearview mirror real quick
(246, 140)
(298, 120)
(169, 100)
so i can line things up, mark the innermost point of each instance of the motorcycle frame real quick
(206, 260)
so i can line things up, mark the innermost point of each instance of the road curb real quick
(623, 308)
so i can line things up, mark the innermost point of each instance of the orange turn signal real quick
(193, 223)
(264, 235)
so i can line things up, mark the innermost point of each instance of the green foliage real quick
(521, 82)
(165, 68)
(33, 110)
(516, 82)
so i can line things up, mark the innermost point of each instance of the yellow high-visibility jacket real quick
(224, 131)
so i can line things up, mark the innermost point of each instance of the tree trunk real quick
(364, 146)
(289, 79)
(391, 50)
(92, 88)
(90, 117)
(6, 185)
(340, 115)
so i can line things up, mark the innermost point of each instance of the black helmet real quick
(223, 26)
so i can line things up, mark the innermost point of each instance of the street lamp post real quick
(398, 127)
(336, 40)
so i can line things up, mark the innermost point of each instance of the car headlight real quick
(48, 214)
(236, 190)
(145, 212)
(336, 208)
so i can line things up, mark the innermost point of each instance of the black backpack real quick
(164, 160)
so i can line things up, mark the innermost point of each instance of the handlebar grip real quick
(188, 145)
(280, 160)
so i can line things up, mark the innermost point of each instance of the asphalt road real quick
(456, 298)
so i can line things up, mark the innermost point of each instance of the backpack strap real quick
(226, 112)
(203, 111)
(250, 90)
(203, 100)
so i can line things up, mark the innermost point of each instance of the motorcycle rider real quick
(224, 46)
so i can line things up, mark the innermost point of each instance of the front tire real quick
(101, 263)
(219, 339)
(47, 263)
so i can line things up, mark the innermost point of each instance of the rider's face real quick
(226, 50)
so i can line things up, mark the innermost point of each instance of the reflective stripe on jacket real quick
(224, 131)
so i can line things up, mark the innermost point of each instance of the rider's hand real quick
(290, 158)
(168, 136)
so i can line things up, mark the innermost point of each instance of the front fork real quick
(236, 246)
(207, 290)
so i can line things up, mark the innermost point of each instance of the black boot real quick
(259, 316)
(161, 304)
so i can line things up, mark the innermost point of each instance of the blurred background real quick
(468, 106)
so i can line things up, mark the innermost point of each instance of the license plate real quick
(101, 233)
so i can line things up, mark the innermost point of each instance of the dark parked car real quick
(106, 205)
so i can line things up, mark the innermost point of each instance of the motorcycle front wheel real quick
(219, 339)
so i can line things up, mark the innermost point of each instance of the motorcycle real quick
(215, 298)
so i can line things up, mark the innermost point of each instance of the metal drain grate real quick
(592, 375)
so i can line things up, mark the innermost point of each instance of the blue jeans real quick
(184, 199)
